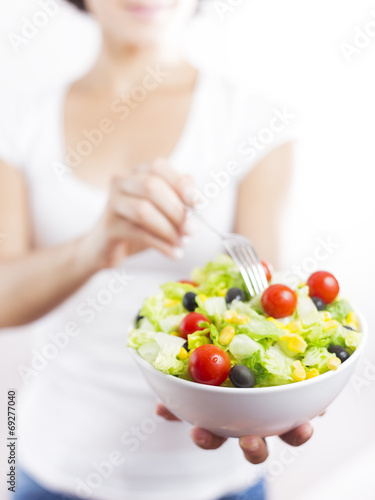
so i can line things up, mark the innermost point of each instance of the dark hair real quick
(78, 3)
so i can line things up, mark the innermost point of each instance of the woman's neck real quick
(121, 67)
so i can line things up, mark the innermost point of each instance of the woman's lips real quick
(146, 12)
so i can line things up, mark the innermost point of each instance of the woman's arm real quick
(31, 283)
(145, 209)
(261, 200)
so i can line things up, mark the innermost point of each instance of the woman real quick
(96, 221)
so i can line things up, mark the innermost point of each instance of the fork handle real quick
(207, 224)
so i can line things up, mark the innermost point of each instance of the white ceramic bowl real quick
(266, 411)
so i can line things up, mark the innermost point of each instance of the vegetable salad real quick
(209, 331)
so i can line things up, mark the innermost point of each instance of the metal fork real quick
(243, 254)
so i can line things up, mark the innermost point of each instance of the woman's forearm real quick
(33, 285)
(135, 219)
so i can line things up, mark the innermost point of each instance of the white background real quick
(289, 51)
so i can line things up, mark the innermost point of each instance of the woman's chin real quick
(142, 36)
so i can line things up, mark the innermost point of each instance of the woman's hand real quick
(145, 210)
(253, 447)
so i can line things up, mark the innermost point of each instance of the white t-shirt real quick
(87, 422)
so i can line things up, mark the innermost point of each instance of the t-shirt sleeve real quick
(262, 127)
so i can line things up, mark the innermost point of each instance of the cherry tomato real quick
(267, 270)
(187, 282)
(279, 301)
(209, 364)
(324, 286)
(190, 324)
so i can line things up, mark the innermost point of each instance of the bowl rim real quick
(265, 390)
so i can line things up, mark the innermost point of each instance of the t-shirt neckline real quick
(178, 151)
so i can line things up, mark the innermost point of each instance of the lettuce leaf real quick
(242, 347)
(316, 336)
(197, 339)
(346, 338)
(167, 362)
(171, 323)
(339, 309)
(153, 309)
(218, 276)
(139, 337)
(213, 307)
(162, 318)
(176, 291)
(159, 349)
(261, 374)
(278, 366)
(306, 310)
(316, 357)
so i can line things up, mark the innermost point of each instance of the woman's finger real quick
(254, 449)
(182, 184)
(155, 189)
(145, 215)
(163, 411)
(205, 439)
(138, 239)
(299, 435)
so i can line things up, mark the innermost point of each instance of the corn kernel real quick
(235, 318)
(294, 343)
(222, 293)
(228, 315)
(277, 323)
(297, 344)
(329, 324)
(202, 297)
(297, 364)
(352, 320)
(312, 373)
(183, 354)
(327, 316)
(175, 334)
(299, 372)
(333, 363)
(294, 326)
(171, 302)
(226, 335)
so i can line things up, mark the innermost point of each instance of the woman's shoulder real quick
(245, 124)
(239, 102)
(24, 113)
(29, 101)
(234, 90)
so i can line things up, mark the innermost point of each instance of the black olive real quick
(138, 318)
(186, 346)
(349, 328)
(234, 294)
(340, 352)
(189, 301)
(319, 303)
(241, 376)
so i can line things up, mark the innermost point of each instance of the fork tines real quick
(243, 254)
